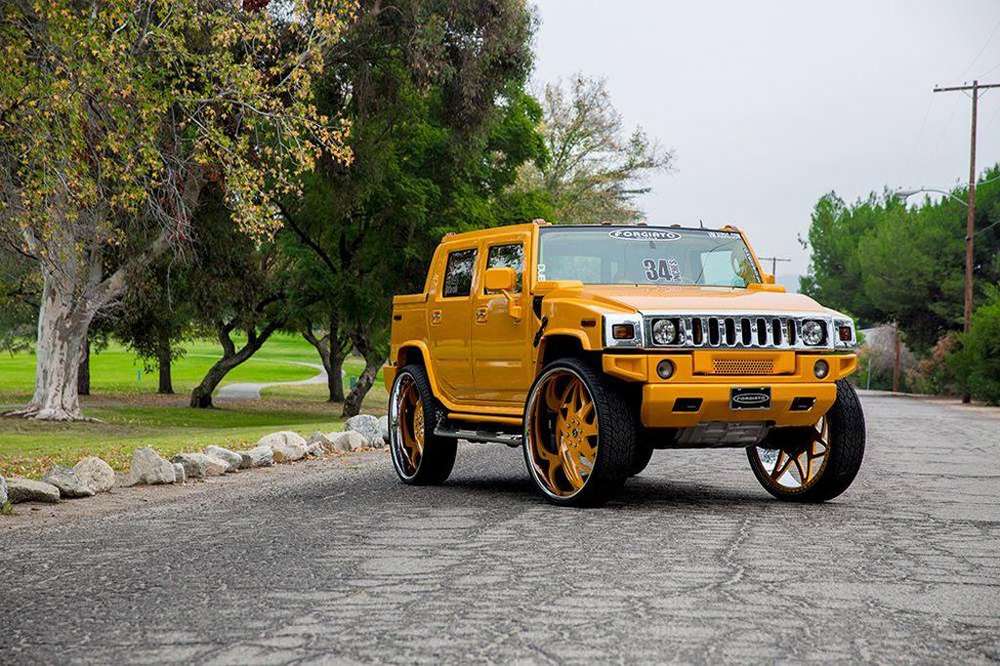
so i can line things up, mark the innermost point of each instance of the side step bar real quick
(452, 430)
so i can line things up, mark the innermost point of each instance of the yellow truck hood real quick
(708, 300)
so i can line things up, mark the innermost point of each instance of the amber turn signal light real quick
(623, 331)
(844, 333)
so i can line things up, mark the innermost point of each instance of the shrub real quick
(934, 374)
(976, 365)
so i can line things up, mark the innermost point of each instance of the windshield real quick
(645, 255)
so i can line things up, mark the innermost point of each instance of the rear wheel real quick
(419, 456)
(579, 435)
(815, 463)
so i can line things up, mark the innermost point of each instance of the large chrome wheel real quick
(800, 463)
(418, 455)
(815, 463)
(578, 435)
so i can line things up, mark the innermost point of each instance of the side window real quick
(507, 256)
(458, 273)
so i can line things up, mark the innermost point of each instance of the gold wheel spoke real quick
(781, 467)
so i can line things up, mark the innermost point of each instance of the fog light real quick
(821, 369)
(665, 369)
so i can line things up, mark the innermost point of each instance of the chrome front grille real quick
(740, 331)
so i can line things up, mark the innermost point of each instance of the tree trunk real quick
(83, 374)
(163, 360)
(201, 396)
(332, 349)
(62, 329)
(335, 377)
(373, 360)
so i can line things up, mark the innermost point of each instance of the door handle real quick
(481, 315)
(435, 317)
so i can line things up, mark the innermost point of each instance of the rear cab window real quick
(459, 273)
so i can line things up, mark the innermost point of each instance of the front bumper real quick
(695, 394)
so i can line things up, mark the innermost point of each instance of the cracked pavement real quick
(694, 563)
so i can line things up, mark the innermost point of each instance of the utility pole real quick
(774, 263)
(970, 222)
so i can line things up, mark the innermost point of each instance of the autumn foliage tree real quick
(596, 168)
(113, 116)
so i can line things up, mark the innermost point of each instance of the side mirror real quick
(500, 279)
(768, 278)
(504, 280)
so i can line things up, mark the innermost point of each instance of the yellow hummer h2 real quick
(591, 346)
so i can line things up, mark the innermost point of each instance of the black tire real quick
(438, 457)
(845, 451)
(616, 438)
(641, 455)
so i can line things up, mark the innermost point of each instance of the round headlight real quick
(664, 332)
(812, 332)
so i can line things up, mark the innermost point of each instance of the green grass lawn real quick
(130, 414)
(118, 370)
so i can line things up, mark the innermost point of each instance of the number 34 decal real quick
(662, 269)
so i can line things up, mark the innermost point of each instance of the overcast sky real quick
(768, 105)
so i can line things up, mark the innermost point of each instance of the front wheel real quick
(579, 435)
(815, 463)
(418, 455)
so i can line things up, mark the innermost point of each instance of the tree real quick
(883, 262)
(114, 114)
(440, 125)
(977, 363)
(20, 292)
(156, 314)
(596, 170)
(234, 288)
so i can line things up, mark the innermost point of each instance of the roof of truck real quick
(529, 226)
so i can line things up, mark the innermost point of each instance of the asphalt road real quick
(695, 563)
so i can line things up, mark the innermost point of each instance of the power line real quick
(988, 40)
(774, 262)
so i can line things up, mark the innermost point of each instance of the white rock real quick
(284, 453)
(321, 439)
(200, 465)
(383, 426)
(96, 473)
(149, 467)
(180, 476)
(3, 491)
(259, 456)
(286, 446)
(368, 426)
(68, 483)
(27, 490)
(350, 441)
(341, 440)
(233, 459)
